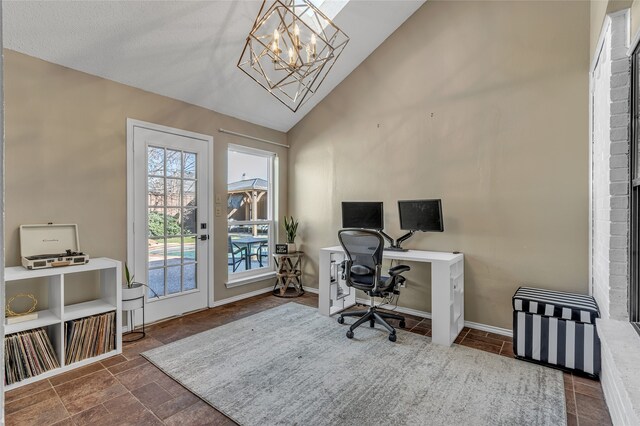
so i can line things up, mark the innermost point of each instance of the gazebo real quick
(246, 200)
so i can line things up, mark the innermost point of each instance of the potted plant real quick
(291, 228)
(133, 293)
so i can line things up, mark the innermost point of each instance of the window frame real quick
(271, 210)
(634, 201)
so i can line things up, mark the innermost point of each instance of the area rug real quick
(290, 365)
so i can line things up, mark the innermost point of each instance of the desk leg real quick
(441, 304)
(324, 283)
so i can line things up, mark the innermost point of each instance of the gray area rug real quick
(291, 365)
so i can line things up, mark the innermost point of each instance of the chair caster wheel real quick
(350, 334)
(392, 337)
(372, 324)
(402, 324)
(340, 320)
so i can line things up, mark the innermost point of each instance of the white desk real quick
(447, 288)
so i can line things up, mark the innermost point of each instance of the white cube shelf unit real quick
(54, 318)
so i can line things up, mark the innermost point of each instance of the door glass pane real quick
(189, 221)
(189, 277)
(174, 163)
(155, 161)
(174, 279)
(189, 165)
(156, 191)
(189, 193)
(171, 221)
(174, 251)
(189, 250)
(156, 282)
(173, 192)
(155, 222)
(156, 252)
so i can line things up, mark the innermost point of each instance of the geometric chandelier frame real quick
(290, 49)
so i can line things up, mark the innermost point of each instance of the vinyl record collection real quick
(88, 337)
(28, 354)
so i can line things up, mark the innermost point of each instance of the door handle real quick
(204, 237)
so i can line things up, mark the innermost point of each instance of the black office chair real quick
(362, 270)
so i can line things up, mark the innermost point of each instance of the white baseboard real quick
(423, 314)
(241, 296)
(470, 324)
(125, 328)
(489, 328)
(408, 311)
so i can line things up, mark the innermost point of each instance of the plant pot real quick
(291, 248)
(133, 297)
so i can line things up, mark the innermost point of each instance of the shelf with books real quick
(29, 354)
(59, 288)
(89, 337)
(45, 318)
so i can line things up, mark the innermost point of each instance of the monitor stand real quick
(394, 245)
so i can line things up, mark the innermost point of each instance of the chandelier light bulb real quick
(292, 60)
(296, 36)
(313, 45)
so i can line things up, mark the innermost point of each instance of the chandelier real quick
(290, 49)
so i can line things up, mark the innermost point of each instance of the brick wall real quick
(610, 172)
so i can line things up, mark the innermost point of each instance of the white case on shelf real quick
(47, 246)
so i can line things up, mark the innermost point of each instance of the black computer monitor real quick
(362, 214)
(421, 215)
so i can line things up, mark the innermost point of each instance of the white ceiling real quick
(186, 50)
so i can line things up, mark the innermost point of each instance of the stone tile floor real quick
(128, 390)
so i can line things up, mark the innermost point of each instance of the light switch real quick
(218, 200)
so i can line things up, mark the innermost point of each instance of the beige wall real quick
(598, 10)
(482, 104)
(66, 155)
(635, 19)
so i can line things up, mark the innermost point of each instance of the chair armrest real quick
(398, 269)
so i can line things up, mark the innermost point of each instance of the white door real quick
(170, 218)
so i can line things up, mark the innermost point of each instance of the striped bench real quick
(556, 328)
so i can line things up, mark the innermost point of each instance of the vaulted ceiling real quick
(186, 50)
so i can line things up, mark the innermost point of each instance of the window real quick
(634, 285)
(330, 8)
(250, 211)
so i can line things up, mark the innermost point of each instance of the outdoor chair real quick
(236, 255)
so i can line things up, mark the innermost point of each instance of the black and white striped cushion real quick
(565, 343)
(558, 304)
